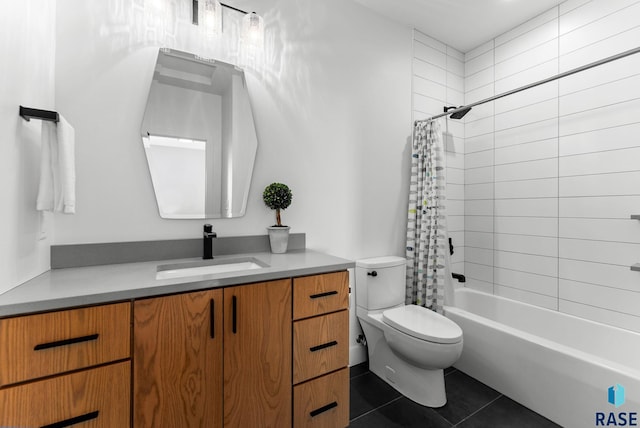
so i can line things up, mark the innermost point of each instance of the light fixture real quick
(253, 30)
(208, 14)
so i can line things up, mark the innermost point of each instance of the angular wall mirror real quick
(199, 137)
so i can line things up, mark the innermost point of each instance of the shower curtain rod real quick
(540, 82)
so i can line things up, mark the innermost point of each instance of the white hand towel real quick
(57, 189)
(48, 144)
(65, 197)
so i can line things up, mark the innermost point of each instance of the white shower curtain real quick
(427, 243)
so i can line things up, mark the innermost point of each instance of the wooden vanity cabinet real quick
(66, 367)
(321, 351)
(182, 342)
(267, 354)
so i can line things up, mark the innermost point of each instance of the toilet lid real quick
(423, 323)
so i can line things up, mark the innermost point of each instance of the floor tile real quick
(449, 370)
(465, 395)
(506, 413)
(402, 413)
(358, 369)
(369, 392)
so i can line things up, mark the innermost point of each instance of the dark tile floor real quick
(470, 404)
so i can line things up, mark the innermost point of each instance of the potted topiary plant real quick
(277, 196)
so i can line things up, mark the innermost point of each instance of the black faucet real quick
(209, 234)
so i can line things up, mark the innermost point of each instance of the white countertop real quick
(65, 288)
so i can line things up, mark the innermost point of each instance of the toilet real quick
(409, 346)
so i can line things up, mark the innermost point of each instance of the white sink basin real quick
(208, 267)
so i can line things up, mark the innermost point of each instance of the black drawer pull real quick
(328, 293)
(234, 315)
(73, 421)
(65, 342)
(212, 318)
(323, 346)
(323, 409)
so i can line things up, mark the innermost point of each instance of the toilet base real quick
(425, 387)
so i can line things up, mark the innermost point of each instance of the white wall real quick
(552, 173)
(438, 81)
(27, 33)
(332, 108)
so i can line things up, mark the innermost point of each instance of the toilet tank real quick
(380, 282)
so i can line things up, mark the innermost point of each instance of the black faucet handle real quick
(208, 231)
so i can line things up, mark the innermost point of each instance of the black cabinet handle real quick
(212, 318)
(234, 308)
(328, 293)
(323, 409)
(323, 346)
(73, 421)
(65, 342)
(374, 273)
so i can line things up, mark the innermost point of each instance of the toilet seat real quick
(423, 323)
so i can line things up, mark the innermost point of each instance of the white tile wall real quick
(527, 244)
(479, 223)
(599, 273)
(552, 174)
(530, 25)
(621, 137)
(602, 207)
(540, 188)
(543, 168)
(534, 283)
(479, 256)
(542, 265)
(543, 149)
(620, 183)
(533, 207)
(527, 297)
(536, 131)
(537, 226)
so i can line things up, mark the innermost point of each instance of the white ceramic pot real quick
(278, 238)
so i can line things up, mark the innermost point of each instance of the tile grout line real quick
(479, 410)
(376, 409)
(357, 376)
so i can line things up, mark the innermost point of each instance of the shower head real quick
(457, 115)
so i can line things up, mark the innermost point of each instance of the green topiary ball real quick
(277, 196)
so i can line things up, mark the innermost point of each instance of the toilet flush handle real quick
(374, 273)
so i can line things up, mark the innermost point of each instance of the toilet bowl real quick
(408, 345)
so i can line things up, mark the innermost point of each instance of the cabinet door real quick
(257, 355)
(177, 371)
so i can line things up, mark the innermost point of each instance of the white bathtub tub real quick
(558, 365)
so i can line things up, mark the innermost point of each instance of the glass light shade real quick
(253, 31)
(210, 17)
(251, 44)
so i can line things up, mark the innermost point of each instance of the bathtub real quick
(558, 365)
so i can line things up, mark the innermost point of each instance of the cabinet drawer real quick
(34, 346)
(319, 294)
(98, 396)
(322, 402)
(320, 345)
